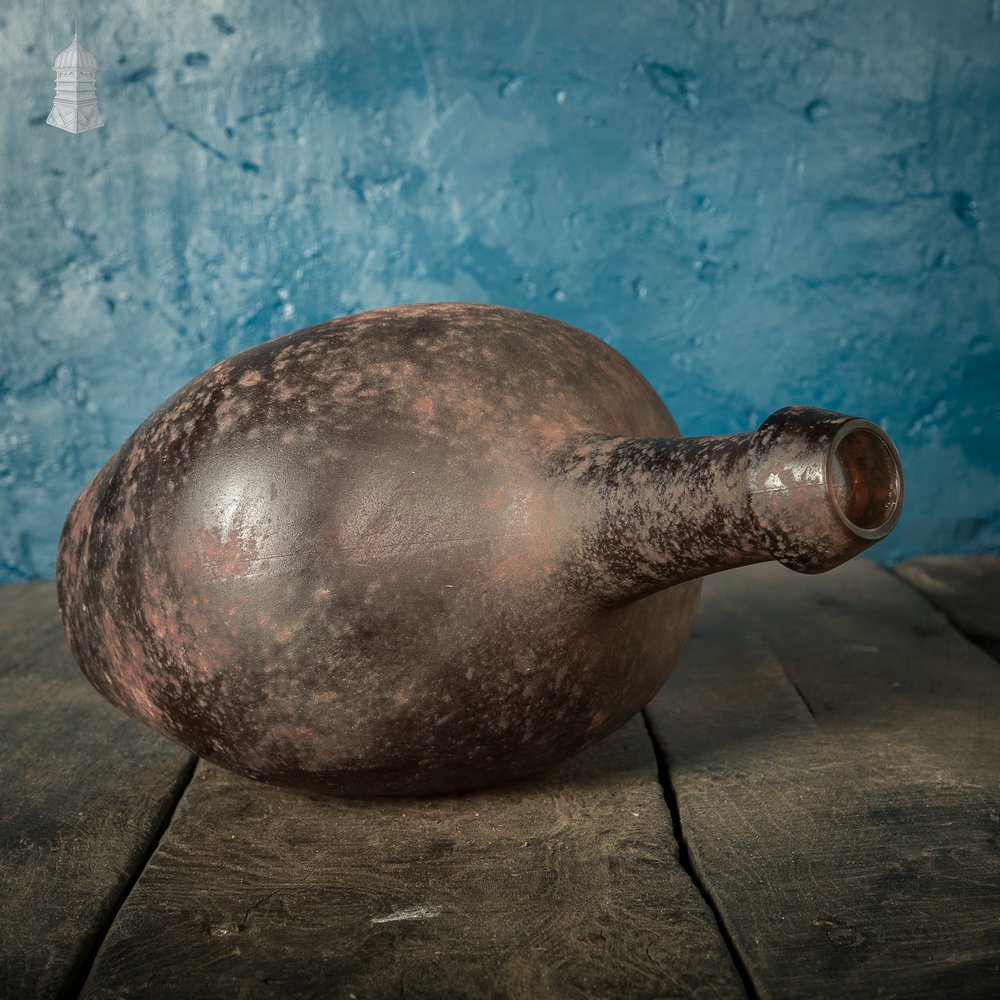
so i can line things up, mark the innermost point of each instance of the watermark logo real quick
(75, 106)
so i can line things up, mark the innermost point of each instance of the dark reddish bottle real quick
(427, 548)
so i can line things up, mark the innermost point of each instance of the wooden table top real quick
(809, 808)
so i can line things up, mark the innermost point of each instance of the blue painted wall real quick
(758, 203)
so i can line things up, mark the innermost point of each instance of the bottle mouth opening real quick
(865, 479)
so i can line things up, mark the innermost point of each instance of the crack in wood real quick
(798, 690)
(77, 983)
(962, 589)
(686, 862)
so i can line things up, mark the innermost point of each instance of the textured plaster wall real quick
(757, 202)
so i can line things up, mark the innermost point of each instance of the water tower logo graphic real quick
(75, 106)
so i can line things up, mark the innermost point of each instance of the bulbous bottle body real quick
(348, 559)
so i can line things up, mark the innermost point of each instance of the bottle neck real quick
(663, 511)
(810, 488)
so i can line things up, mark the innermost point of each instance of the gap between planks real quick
(75, 987)
(686, 862)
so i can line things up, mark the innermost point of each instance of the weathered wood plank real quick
(834, 746)
(563, 886)
(965, 588)
(83, 792)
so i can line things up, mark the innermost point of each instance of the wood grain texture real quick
(83, 791)
(563, 886)
(835, 749)
(965, 588)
